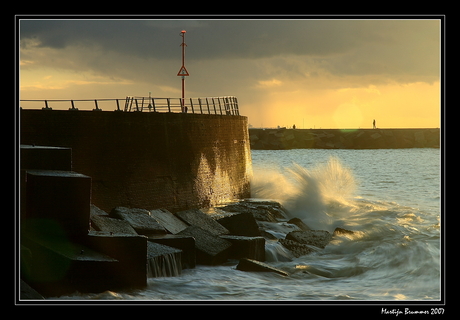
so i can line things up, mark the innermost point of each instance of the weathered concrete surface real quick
(59, 266)
(169, 221)
(61, 196)
(275, 139)
(246, 247)
(210, 249)
(150, 160)
(239, 223)
(107, 224)
(317, 238)
(139, 219)
(297, 249)
(196, 217)
(131, 252)
(45, 158)
(253, 265)
(163, 261)
(182, 242)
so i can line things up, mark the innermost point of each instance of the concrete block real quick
(210, 249)
(253, 265)
(196, 217)
(169, 221)
(107, 224)
(240, 223)
(63, 196)
(45, 158)
(131, 252)
(317, 238)
(139, 219)
(59, 266)
(297, 249)
(163, 261)
(246, 247)
(182, 242)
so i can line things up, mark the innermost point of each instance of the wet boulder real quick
(139, 219)
(317, 238)
(239, 223)
(297, 249)
(210, 249)
(196, 217)
(246, 247)
(169, 221)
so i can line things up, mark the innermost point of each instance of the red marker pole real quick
(183, 72)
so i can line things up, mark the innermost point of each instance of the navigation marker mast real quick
(183, 72)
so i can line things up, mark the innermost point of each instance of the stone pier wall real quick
(149, 160)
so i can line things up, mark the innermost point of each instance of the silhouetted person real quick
(293, 127)
(373, 123)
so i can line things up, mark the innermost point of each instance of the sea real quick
(390, 198)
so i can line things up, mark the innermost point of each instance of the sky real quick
(311, 72)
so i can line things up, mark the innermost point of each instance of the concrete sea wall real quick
(149, 160)
(279, 139)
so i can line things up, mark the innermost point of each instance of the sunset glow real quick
(334, 74)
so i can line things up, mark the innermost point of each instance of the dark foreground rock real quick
(196, 217)
(253, 265)
(182, 242)
(317, 238)
(246, 247)
(297, 249)
(139, 219)
(163, 261)
(239, 223)
(169, 221)
(210, 249)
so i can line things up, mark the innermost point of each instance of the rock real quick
(317, 238)
(169, 221)
(240, 223)
(299, 223)
(339, 231)
(297, 249)
(105, 223)
(246, 247)
(182, 242)
(139, 219)
(163, 261)
(196, 217)
(210, 249)
(131, 252)
(271, 211)
(253, 265)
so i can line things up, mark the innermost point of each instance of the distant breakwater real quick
(282, 138)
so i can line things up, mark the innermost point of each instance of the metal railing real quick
(227, 105)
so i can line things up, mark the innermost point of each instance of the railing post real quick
(201, 109)
(236, 106)
(191, 105)
(97, 107)
(220, 106)
(118, 105)
(207, 103)
(169, 105)
(73, 106)
(46, 106)
(153, 104)
(214, 105)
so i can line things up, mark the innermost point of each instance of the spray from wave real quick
(319, 196)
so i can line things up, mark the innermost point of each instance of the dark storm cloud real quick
(353, 47)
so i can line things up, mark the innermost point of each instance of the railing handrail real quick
(224, 105)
